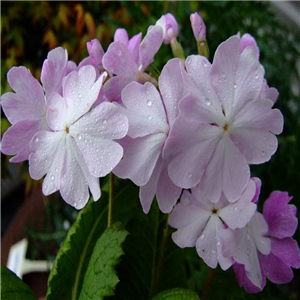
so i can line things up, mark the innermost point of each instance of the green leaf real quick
(66, 277)
(139, 272)
(177, 294)
(13, 288)
(100, 278)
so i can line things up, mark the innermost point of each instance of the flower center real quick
(67, 129)
(226, 127)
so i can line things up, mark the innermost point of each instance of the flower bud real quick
(199, 30)
(198, 26)
(169, 26)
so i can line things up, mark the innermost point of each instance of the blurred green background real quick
(30, 29)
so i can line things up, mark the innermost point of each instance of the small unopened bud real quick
(198, 26)
(199, 30)
(169, 26)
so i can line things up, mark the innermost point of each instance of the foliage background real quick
(30, 29)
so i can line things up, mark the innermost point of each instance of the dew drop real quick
(256, 76)
(104, 121)
(263, 153)
(208, 101)
(235, 208)
(119, 53)
(219, 244)
(36, 140)
(248, 237)
(223, 74)
(79, 136)
(190, 175)
(52, 178)
(234, 85)
(202, 237)
(213, 251)
(204, 64)
(149, 102)
(149, 118)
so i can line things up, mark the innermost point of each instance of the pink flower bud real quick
(198, 26)
(169, 26)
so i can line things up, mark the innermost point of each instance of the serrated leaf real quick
(13, 288)
(66, 277)
(100, 278)
(177, 294)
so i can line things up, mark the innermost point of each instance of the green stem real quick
(161, 259)
(111, 199)
(207, 284)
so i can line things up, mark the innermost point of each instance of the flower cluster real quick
(191, 134)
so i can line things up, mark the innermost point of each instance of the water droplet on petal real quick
(190, 175)
(36, 139)
(79, 136)
(149, 102)
(218, 243)
(149, 118)
(234, 86)
(208, 101)
(52, 178)
(223, 74)
(202, 236)
(248, 237)
(213, 251)
(235, 208)
(263, 153)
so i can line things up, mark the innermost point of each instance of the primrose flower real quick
(200, 222)
(282, 222)
(224, 125)
(150, 116)
(26, 108)
(81, 147)
(128, 60)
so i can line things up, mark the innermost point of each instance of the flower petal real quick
(118, 60)
(284, 255)
(53, 70)
(44, 145)
(280, 216)
(239, 213)
(140, 157)
(134, 46)
(227, 171)
(145, 110)
(150, 45)
(188, 150)
(16, 140)
(75, 178)
(190, 219)
(80, 91)
(28, 103)
(172, 87)
(209, 245)
(94, 134)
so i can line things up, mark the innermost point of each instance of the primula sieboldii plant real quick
(186, 138)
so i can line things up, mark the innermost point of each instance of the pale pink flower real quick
(81, 147)
(224, 125)
(200, 222)
(150, 116)
(128, 59)
(279, 222)
(26, 108)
